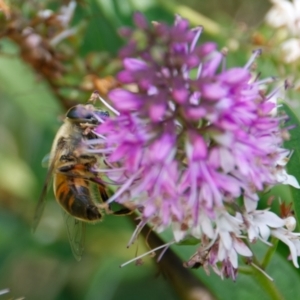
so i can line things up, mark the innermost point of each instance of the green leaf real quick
(294, 142)
(101, 31)
(293, 166)
(20, 84)
(189, 241)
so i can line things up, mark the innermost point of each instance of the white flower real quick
(285, 14)
(281, 175)
(227, 244)
(263, 224)
(205, 226)
(221, 251)
(259, 222)
(45, 14)
(290, 223)
(66, 13)
(290, 50)
(291, 239)
(230, 247)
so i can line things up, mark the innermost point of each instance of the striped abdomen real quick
(74, 195)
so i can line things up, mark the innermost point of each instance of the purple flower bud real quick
(235, 76)
(214, 91)
(206, 49)
(196, 148)
(132, 64)
(125, 100)
(125, 32)
(140, 20)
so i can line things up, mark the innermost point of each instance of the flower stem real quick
(196, 18)
(269, 253)
(184, 282)
(266, 284)
(245, 270)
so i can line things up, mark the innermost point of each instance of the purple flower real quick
(192, 137)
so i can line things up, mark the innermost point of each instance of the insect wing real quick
(76, 233)
(42, 200)
(45, 161)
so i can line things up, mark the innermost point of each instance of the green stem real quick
(269, 253)
(263, 281)
(211, 27)
(267, 284)
(246, 270)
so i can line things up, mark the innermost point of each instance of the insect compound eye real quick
(102, 113)
(82, 114)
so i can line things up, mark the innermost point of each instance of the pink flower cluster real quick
(192, 137)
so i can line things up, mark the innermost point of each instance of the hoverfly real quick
(74, 176)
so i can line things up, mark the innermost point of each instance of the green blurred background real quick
(41, 266)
